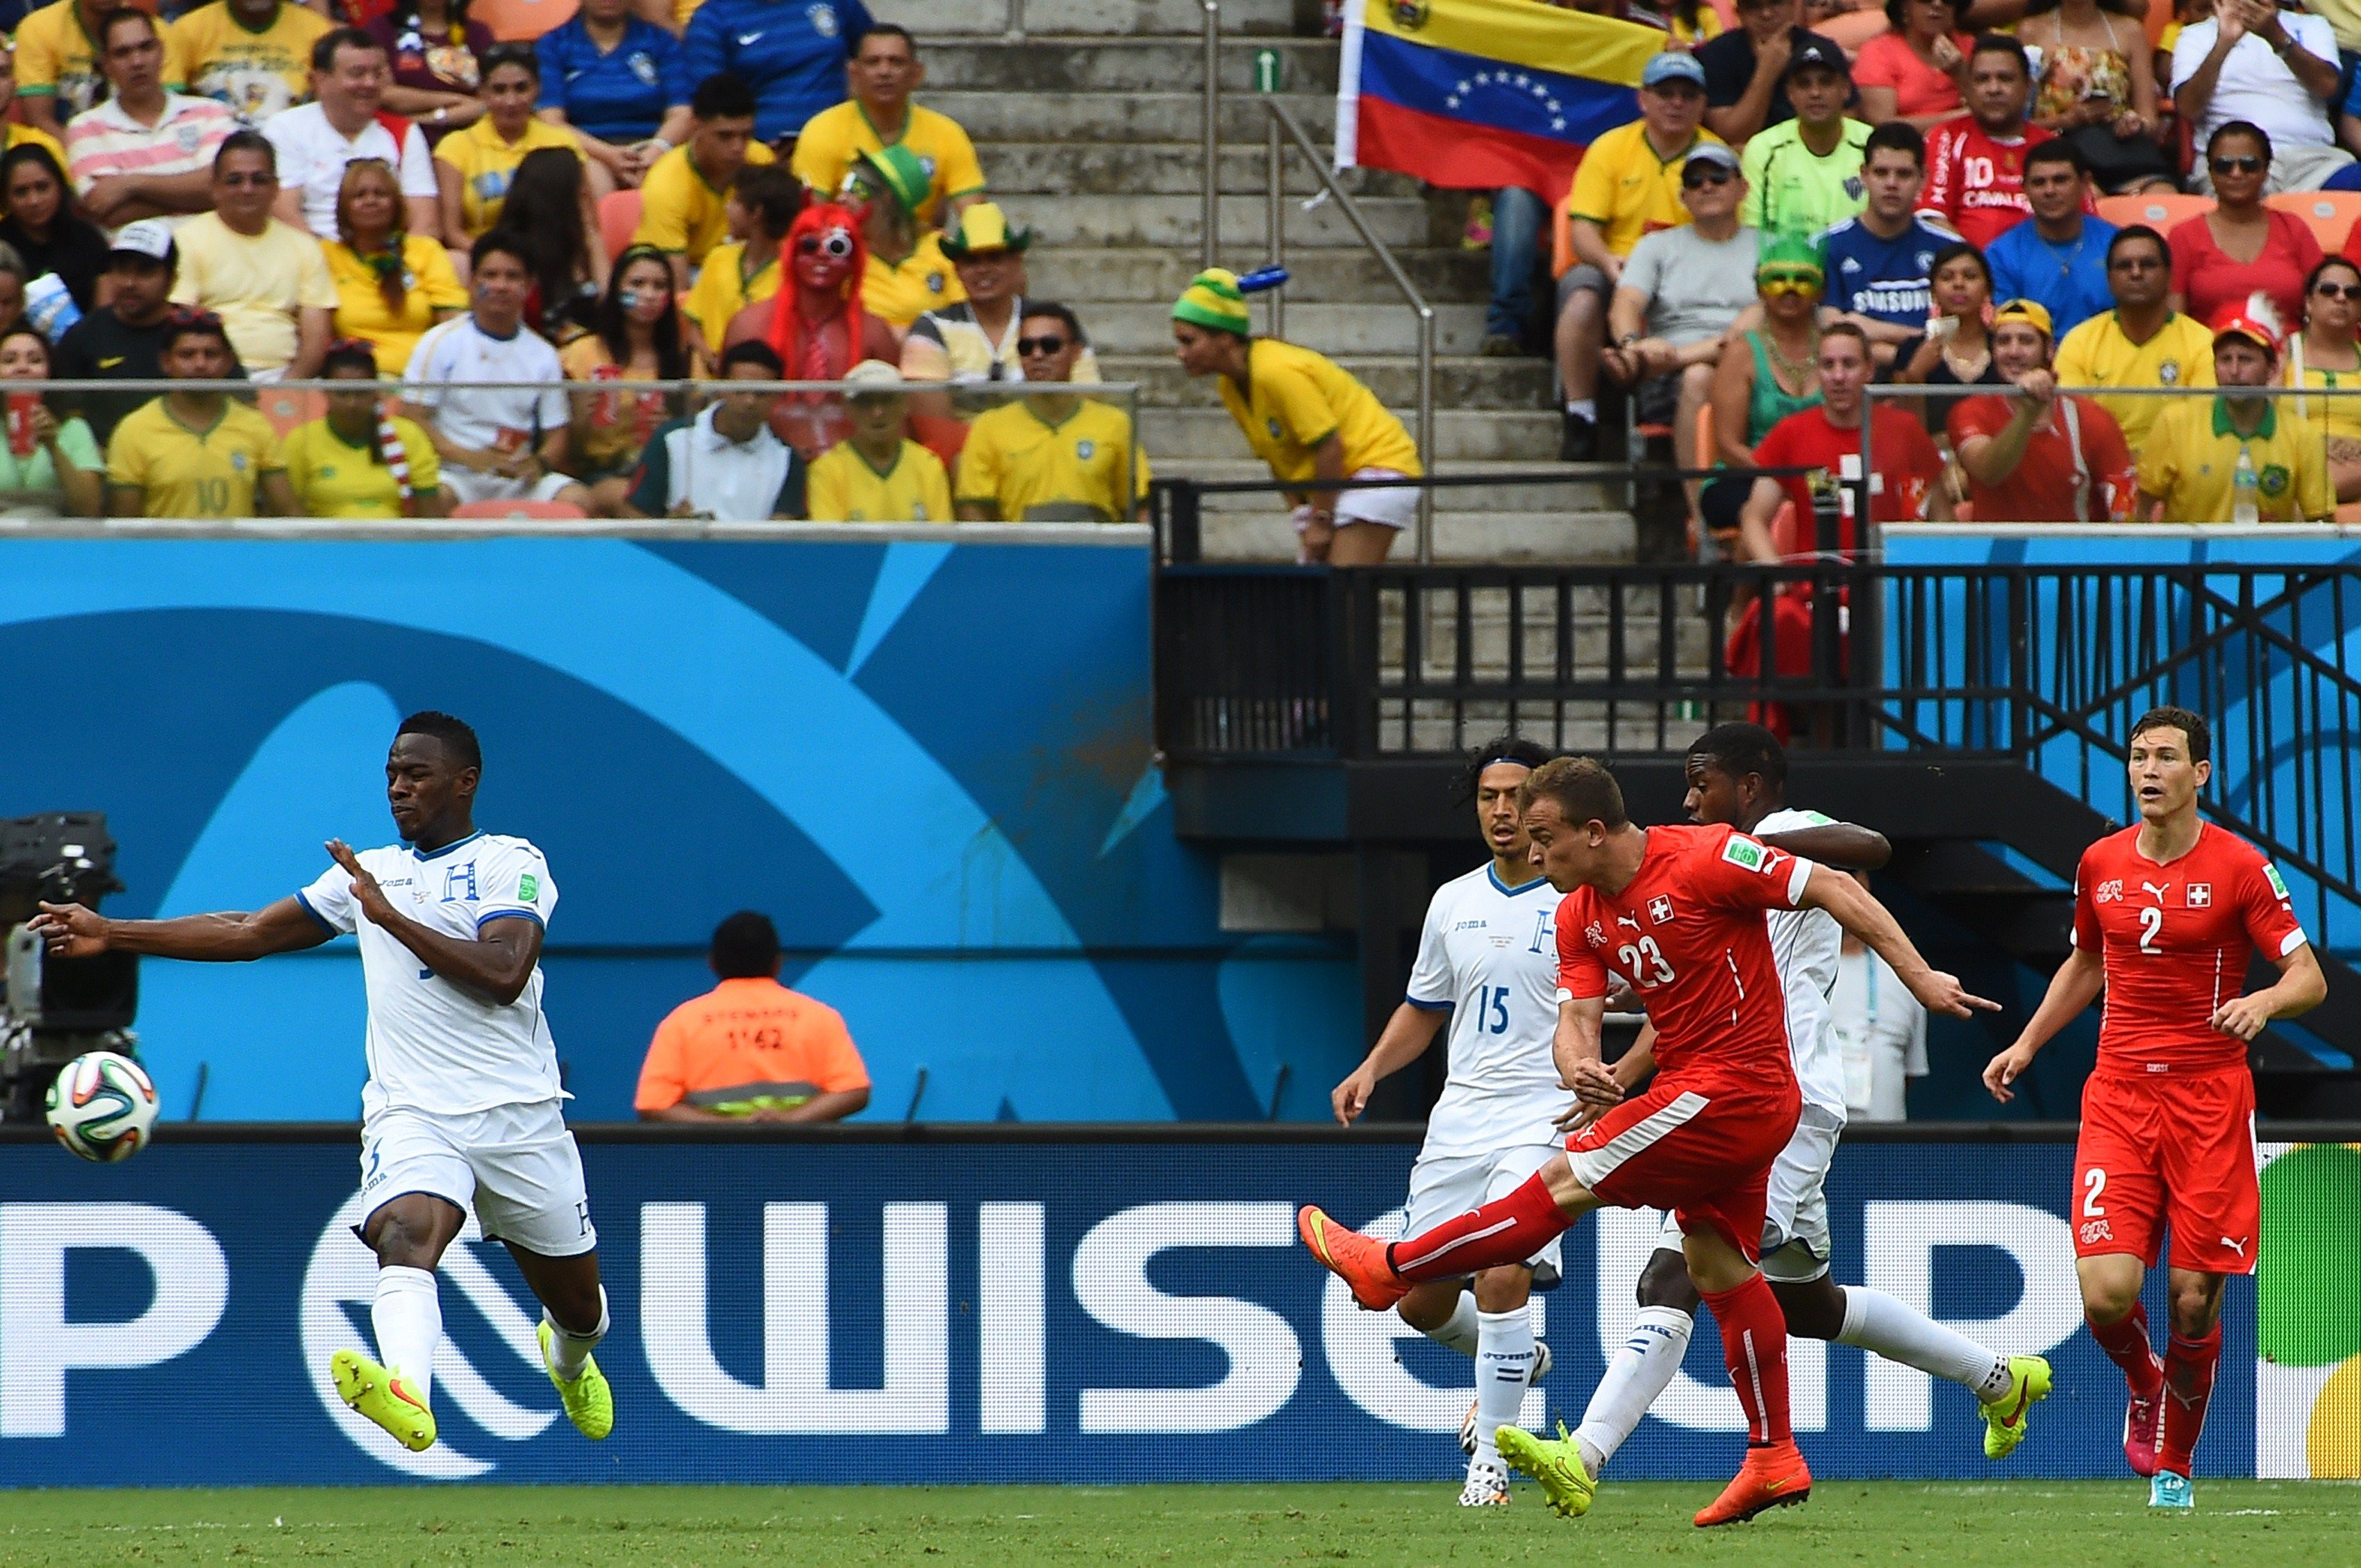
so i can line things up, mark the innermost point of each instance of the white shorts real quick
(470, 485)
(1795, 1212)
(1396, 506)
(515, 1166)
(1443, 1186)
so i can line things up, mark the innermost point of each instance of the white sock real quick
(569, 1350)
(1460, 1330)
(1504, 1366)
(1583, 407)
(1876, 1321)
(408, 1317)
(1641, 1369)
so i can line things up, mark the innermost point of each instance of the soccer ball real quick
(103, 1106)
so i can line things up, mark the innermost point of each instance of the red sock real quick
(1754, 1344)
(2126, 1342)
(1509, 1230)
(2189, 1366)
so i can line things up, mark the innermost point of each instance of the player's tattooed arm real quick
(1839, 844)
(2075, 986)
(496, 962)
(71, 931)
(1858, 913)
(2300, 988)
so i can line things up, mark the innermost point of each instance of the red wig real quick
(796, 336)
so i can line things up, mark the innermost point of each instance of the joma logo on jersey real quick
(1471, 926)
(2201, 895)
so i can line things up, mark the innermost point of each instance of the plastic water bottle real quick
(49, 307)
(2246, 491)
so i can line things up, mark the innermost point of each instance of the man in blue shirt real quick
(2059, 256)
(1878, 263)
(792, 53)
(618, 80)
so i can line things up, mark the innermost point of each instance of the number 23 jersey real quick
(1688, 933)
(433, 1047)
(1488, 954)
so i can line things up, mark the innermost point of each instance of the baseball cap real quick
(2031, 312)
(1820, 52)
(874, 376)
(1672, 65)
(150, 238)
(1711, 152)
(904, 177)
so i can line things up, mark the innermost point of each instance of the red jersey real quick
(2177, 939)
(1907, 467)
(1688, 934)
(1975, 180)
(2076, 466)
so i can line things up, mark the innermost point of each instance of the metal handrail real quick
(1213, 181)
(1417, 301)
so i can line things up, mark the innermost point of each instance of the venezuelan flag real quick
(1474, 94)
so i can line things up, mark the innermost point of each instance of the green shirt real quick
(37, 474)
(1791, 190)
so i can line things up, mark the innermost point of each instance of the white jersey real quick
(1805, 945)
(451, 356)
(1490, 953)
(434, 1047)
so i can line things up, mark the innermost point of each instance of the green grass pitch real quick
(2024, 1524)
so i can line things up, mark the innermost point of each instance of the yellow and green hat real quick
(983, 230)
(903, 177)
(1213, 300)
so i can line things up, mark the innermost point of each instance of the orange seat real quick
(522, 21)
(2349, 513)
(286, 410)
(618, 219)
(2330, 214)
(2162, 213)
(557, 511)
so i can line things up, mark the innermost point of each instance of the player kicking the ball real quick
(1677, 913)
(1488, 959)
(463, 1104)
(1738, 777)
(2166, 916)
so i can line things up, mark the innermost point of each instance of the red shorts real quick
(1701, 1148)
(2174, 1149)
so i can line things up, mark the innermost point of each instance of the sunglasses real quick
(183, 315)
(837, 243)
(2244, 164)
(2337, 291)
(1694, 178)
(1793, 279)
(1027, 347)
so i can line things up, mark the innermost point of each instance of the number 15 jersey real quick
(1489, 954)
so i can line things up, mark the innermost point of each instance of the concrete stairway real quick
(1088, 129)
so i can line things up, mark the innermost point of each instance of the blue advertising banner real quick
(1072, 1309)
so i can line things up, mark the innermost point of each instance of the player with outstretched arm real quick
(2168, 915)
(463, 1105)
(1677, 913)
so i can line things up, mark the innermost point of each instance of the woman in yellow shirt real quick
(636, 336)
(2325, 356)
(1306, 417)
(474, 166)
(358, 460)
(390, 286)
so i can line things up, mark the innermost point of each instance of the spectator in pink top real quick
(2241, 246)
(142, 152)
(1915, 70)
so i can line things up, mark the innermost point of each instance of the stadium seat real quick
(551, 511)
(286, 410)
(618, 219)
(522, 21)
(2330, 214)
(2162, 212)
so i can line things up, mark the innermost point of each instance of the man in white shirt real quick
(1487, 961)
(497, 442)
(349, 73)
(723, 463)
(2275, 69)
(1881, 1034)
(462, 1108)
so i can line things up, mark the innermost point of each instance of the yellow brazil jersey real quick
(429, 284)
(18, 134)
(832, 138)
(2097, 354)
(900, 293)
(2191, 461)
(255, 73)
(55, 57)
(723, 290)
(1623, 187)
(487, 163)
(1299, 400)
(332, 477)
(2329, 418)
(680, 210)
(186, 472)
(843, 487)
(1029, 470)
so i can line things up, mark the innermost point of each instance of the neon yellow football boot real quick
(2028, 1379)
(385, 1397)
(1558, 1465)
(590, 1402)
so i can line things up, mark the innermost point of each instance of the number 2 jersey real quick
(1689, 934)
(2176, 940)
(1489, 954)
(433, 1047)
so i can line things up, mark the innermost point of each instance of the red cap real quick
(2244, 321)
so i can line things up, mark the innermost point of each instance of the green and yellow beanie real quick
(1213, 300)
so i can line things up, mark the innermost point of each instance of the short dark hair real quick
(1896, 136)
(1501, 748)
(771, 194)
(892, 29)
(455, 735)
(244, 140)
(745, 947)
(323, 53)
(499, 242)
(2058, 149)
(1585, 791)
(1063, 315)
(1953, 252)
(2194, 725)
(1846, 329)
(1739, 748)
(116, 18)
(755, 351)
(2133, 231)
(185, 321)
(522, 56)
(2262, 139)
(724, 95)
(2000, 43)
